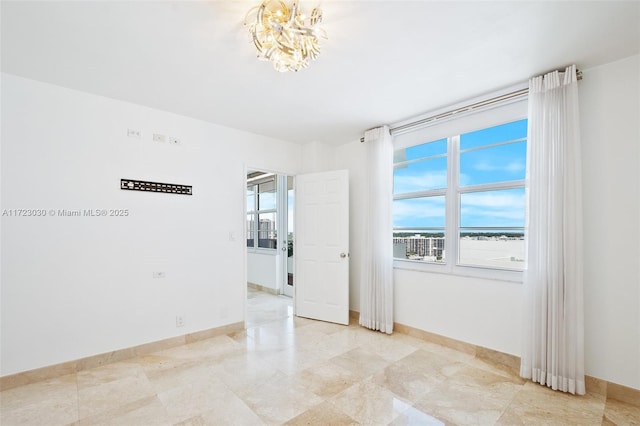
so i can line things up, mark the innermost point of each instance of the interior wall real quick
(352, 157)
(74, 286)
(610, 131)
(317, 157)
(262, 269)
(489, 313)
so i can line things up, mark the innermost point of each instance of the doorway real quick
(311, 263)
(270, 232)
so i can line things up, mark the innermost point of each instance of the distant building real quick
(267, 234)
(418, 246)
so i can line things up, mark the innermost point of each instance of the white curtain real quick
(376, 284)
(553, 352)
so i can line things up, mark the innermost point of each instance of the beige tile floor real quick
(288, 370)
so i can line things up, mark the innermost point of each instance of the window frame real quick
(454, 191)
(255, 211)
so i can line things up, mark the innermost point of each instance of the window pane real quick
(502, 133)
(493, 248)
(420, 176)
(250, 230)
(501, 208)
(267, 196)
(267, 200)
(425, 150)
(496, 164)
(290, 211)
(267, 233)
(425, 246)
(251, 199)
(417, 213)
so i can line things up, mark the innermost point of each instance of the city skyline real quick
(496, 251)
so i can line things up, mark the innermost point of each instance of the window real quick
(262, 214)
(419, 207)
(460, 201)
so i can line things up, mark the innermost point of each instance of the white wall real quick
(317, 157)
(351, 157)
(78, 286)
(488, 313)
(610, 130)
(262, 269)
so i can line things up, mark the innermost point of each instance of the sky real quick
(480, 163)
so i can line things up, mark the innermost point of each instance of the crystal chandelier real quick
(283, 35)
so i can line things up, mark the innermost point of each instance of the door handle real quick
(343, 255)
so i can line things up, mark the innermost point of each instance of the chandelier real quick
(283, 35)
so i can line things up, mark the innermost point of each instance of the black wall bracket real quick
(141, 185)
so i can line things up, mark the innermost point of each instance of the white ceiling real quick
(384, 61)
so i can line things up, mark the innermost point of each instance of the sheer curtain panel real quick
(376, 285)
(553, 352)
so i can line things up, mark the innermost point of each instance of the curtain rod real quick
(491, 101)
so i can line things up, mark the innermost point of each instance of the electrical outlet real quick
(133, 133)
(180, 321)
(159, 275)
(174, 141)
(159, 138)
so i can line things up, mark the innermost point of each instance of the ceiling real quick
(384, 61)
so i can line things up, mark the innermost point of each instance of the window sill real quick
(460, 271)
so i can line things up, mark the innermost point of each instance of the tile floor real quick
(288, 370)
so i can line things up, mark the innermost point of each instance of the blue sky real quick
(504, 208)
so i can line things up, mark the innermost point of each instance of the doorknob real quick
(343, 255)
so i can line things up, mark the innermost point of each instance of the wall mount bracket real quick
(142, 185)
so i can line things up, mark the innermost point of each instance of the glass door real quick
(289, 279)
(285, 223)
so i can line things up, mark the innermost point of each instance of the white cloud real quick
(428, 180)
(512, 167)
(478, 215)
(419, 211)
(493, 207)
(495, 199)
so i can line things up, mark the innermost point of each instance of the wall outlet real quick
(133, 133)
(180, 321)
(159, 138)
(174, 141)
(159, 275)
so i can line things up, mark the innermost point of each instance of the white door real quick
(322, 246)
